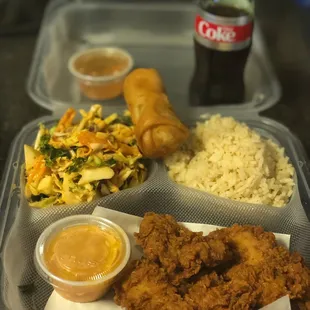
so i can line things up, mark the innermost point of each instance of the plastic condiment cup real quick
(80, 291)
(105, 86)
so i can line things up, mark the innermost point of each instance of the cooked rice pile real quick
(228, 159)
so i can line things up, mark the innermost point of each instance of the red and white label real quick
(223, 33)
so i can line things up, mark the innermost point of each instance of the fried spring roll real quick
(158, 130)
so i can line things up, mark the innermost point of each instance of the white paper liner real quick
(131, 225)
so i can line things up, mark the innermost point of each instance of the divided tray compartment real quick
(24, 290)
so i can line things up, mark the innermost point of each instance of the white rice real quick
(228, 159)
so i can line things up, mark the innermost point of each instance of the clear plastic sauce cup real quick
(101, 71)
(81, 256)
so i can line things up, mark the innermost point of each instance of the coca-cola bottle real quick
(222, 40)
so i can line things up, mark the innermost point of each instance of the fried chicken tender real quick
(180, 251)
(280, 274)
(235, 268)
(211, 292)
(249, 243)
(148, 288)
(263, 271)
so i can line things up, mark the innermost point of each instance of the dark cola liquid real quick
(219, 75)
(225, 11)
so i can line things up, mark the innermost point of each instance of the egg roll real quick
(159, 132)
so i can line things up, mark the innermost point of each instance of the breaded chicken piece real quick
(180, 251)
(249, 243)
(235, 268)
(147, 288)
(245, 286)
(211, 292)
(270, 270)
(283, 274)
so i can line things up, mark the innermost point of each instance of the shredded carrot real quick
(66, 120)
(87, 138)
(38, 170)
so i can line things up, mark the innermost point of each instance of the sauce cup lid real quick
(108, 51)
(71, 221)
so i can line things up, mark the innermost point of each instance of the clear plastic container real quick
(101, 72)
(72, 26)
(22, 287)
(92, 286)
(157, 34)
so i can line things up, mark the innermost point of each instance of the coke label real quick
(223, 36)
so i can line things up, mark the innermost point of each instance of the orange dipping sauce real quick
(81, 256)
(101, 72)
(100, 64)
(82, 253)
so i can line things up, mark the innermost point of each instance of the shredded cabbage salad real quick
(76, 162)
